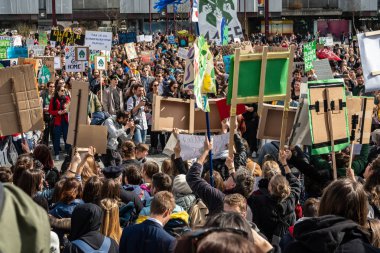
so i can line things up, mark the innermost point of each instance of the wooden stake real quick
(264, 61)
(101, 86)
(234, 102)
(331, 132)
(351, 154)
(285, 114)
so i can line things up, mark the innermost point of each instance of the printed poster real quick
(70, 63)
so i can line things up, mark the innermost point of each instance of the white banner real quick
(369, 54)
(140, 38)
(192, 145)
(148, 38)
(211, 11)
(70, 63)
(57, 62)
(183, 52)
(98, 40)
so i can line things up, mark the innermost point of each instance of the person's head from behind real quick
(227, 242)
(279, 187)
(24, 162)
(229, 220)
(244, 182)
(162, 206)
(141, 151)
(373, 227)
(90, 168)
(235, 203)
(31, 181)
(310, 207)
(372, 168)
(85, 218)
(270, 169)
(42, 153)
(110, 189)
(148, 170)
(372, 184)
(167, 167)
(110, 221)
(132, 175)
(161, 182)
(92, 190)
(71, 190)
(345, 198)
(218, 180)
(128, 150)
(6, 175)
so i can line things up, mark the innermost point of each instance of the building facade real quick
(287, 16)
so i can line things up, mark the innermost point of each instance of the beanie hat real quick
(180, 185)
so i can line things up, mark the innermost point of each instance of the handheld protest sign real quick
(100, 63)
(369, 51)
(82, 53)
(272, 84)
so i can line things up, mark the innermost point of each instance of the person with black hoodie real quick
(341, 224)
(85, 235)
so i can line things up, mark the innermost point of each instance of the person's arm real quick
(240, 157)
(178, 162)
(294, 183)
(52, 111)
(112, 131)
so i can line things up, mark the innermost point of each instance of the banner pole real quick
(210, 153)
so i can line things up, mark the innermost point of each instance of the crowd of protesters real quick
(285, 201)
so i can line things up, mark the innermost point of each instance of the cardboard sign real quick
(20, 109)
(100, 63)
(74, 103)
(86, 138)
(36, 51)
(148, 38)
(192, 145)
(67, 37)
(48, 61)
(82, 53)
(183, 52)
(327, 41)
(35, 62)
(127, 37)
(171, 39)
(99, 40)
(147, 56)
(29, 42)
(169, 113)
(57, 62)
(140, 38)
(359, 110)
(130, 50)
(271, 116)
(323, 70)
(70, 63)
(319, 118)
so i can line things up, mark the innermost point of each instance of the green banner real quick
(309, 55)
(42, 39)
(5, 43)
(3, 52)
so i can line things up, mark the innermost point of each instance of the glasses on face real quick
(155, 85)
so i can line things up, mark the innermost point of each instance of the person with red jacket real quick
(58, 108)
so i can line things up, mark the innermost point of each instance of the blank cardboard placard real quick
(20, 109)
(74, 103)
(95, 136)
(271, 119)
(320, 131)
(200, 125)
(169, 113)
(357, 106)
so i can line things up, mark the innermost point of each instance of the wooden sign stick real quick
(331, 132)
(351, 154)
(101, 86)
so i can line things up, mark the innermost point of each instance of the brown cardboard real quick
(319, 120)
(95, 136)
(35, 62)
(169, 113)
(200, 119)
(271, 122)
(48, 61)
(82, 120)
(355, 107)
(28, 102)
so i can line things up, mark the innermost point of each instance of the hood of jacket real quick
(326, 233)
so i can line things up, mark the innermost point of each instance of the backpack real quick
(84, 247)
(176, 227)
(198, 214)
(98, 118)
(127, 214)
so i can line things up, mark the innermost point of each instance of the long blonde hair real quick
(89, 168)
(110, 221)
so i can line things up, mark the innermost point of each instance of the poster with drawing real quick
(192, 145)
(210, 11)
(188, 82)
(71, 64)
